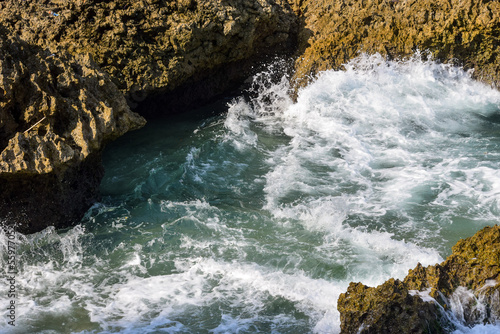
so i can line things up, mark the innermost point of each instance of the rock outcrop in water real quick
(467, 283)
(163, 54)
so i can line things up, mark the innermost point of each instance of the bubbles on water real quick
(385, 135)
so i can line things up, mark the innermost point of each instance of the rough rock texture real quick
(154, 46)
(462, 31)
(57, 113)
(388, 308)
(58, 107)
(467, 283)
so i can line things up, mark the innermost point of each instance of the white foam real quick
(424, 295)
(239, 285)
(478, 329)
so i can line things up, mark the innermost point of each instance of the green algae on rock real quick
(388, 308)
(417, 304)
(57, 112)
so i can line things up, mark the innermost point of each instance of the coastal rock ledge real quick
(71, 70)
(57, 113)
(464, 291)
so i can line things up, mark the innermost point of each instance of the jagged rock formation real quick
(461, 31)
(50, 173)
(150, 47)
(388, 308)
(468, 279)
(57, 113)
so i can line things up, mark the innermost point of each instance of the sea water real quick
(254, 213)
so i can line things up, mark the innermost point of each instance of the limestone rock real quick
(58, 107)
(56, 113)
(388, 308)
(150, 47)
(465, 284)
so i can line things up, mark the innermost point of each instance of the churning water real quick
(255, 216)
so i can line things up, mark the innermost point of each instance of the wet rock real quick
(388, 308)
(59, 108)
(163, 55)
(466, 287)
(57, 112)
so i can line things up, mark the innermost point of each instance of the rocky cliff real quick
(152, 47)
(71, 70)
(465, 287)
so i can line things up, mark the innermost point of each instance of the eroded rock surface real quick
(154, 46)
(465, 32)
(57, 113)
(466, 285)
(171, 53)
(58, 108)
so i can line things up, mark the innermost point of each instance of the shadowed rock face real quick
(71, 70)
(151, 47)
(60, 198)
(469, 276)
(57, 113)
(58, 108)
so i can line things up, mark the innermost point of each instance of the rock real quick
(166, 55)
(388, 308)
(151, 47)
(57, 112)
(464, 32)
(467, 284)
(59, 108)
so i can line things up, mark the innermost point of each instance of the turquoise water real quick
(253, 214)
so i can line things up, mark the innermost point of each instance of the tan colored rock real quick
(56, 112)
(154, 46)
(164, 54)
(469, 276)
(58, 108)
(388, 308)
(461, 31)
